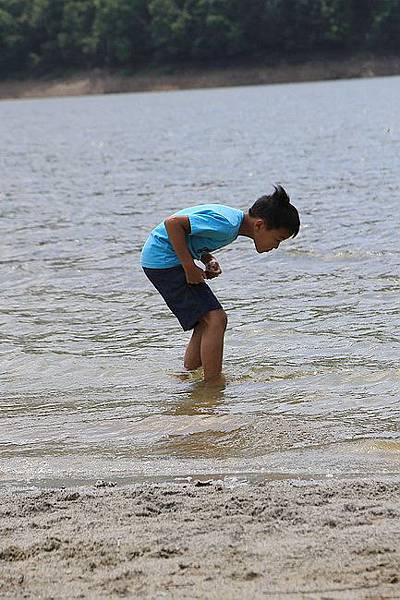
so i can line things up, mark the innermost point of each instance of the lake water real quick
(92, 381)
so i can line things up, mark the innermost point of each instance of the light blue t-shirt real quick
(212, 226)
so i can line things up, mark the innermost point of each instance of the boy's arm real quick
(177, 228)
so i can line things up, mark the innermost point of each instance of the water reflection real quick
(87, 349)
(202, 398)
(209, 433)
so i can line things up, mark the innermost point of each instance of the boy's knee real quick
(215, 318)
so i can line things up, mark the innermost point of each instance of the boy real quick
(192, 234)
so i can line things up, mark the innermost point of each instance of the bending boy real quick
(168, 259)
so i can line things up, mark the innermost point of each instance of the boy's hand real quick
(213, 269)
(194, 275)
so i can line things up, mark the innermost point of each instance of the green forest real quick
(44, 36)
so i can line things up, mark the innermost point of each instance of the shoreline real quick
(102, 81)
(205, 539)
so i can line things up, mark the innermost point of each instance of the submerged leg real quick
(212, 343)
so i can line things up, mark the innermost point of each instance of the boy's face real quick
(268, 239)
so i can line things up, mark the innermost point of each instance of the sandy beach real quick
(203, 539)
(91, 365)
(103, 81)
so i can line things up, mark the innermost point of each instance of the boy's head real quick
(274, 219)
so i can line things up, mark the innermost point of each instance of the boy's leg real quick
(212, 343)
(192, 358)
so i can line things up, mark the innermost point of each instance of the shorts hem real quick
(201, 314)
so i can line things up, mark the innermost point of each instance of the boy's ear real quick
(259, 224)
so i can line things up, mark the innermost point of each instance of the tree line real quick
(40, 36)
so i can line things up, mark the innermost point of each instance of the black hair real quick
(277, 211)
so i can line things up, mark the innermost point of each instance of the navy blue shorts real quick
(188, 302)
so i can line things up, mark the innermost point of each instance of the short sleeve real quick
(210, 225)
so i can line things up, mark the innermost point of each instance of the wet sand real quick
(274, 539)
(103, 81)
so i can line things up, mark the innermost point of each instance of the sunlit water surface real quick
(92, 382)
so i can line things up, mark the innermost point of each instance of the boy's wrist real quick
(187, 264)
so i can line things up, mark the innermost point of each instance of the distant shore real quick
(274, 539)
(101, 81)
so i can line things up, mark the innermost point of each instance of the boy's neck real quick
(246, 227)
